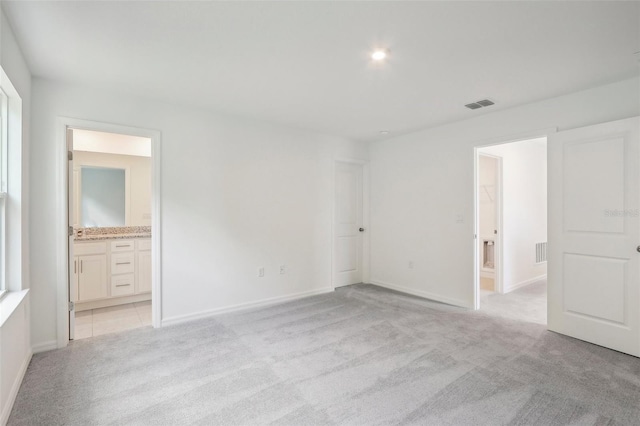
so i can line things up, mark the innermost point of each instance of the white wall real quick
(423, 183)
(236, 195)
(139, 180)
(15, 349)
(524, 209)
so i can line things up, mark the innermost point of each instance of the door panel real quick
(594, 229)
(72, 219)
(92, 282)
(348, 221)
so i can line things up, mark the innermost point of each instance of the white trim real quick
(15, 387)
(179, 319)
(424, 294)
(45, 346)
(62, 213)
(366, 223)
(509, 289)
(517, 137)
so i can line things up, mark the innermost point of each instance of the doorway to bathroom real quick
(110, 221)
(511, 229)
(108, 238)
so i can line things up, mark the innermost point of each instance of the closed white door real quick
(594, 234)
(348, 224)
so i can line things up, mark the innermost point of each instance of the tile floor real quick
(95, 322)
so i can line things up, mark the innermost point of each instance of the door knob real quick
(362, 230)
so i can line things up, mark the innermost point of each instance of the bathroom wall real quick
(139, 180)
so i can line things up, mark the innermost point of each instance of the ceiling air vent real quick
(480, 104)
(485, 102)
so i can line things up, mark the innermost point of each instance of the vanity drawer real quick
(122, 245)
(122, 263)
(122, 285)
(83, 249)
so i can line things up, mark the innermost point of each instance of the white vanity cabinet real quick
(144, 265)
(90, 271)
(111, 271)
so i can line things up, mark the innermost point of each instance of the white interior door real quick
(594, 232)
(348, 224)
(73, 264)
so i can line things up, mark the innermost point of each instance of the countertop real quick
(111, 233)
(99, 237)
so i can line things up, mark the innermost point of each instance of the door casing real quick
(62, 217)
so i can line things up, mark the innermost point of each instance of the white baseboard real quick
(424, 294)
(242, 306)
(524, 283)
(13, 393)
(45, 346)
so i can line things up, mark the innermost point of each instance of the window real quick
(3, 188)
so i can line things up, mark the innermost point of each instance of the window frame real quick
(4, 185)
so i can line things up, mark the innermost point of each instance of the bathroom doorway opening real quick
(110, 261)
(511, 229)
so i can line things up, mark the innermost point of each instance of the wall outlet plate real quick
(283, 269)
(261, 272)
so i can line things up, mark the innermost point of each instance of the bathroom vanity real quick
(111, 266)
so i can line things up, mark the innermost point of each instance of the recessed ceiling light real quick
(384, 132)
(379, 55)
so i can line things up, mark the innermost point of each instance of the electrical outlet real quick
(411, 264)
(283, 269)
(261, 272)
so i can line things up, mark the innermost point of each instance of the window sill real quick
(10, 301)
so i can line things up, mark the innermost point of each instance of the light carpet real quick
(361, 355)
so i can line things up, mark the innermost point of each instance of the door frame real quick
(62, 215)
(476, 223)
(366, 239)
(498, 269)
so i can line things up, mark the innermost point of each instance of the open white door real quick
(594, 234)
(348, 227)
(73, 266)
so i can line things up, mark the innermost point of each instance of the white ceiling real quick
(306, 64)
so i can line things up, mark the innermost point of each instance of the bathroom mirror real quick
(103, 197)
